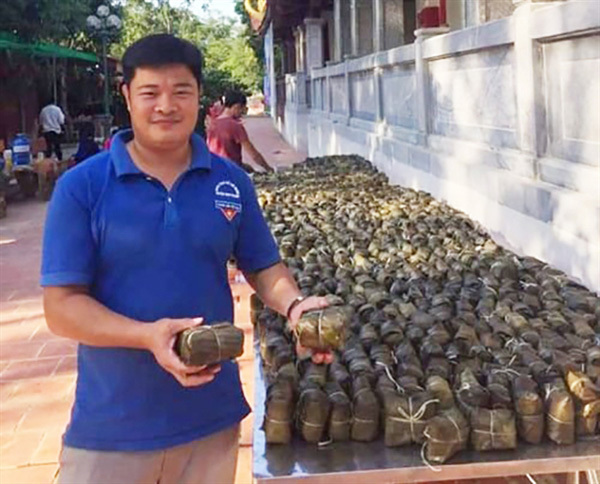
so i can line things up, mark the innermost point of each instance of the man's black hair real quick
(160, 50)
(235, 97)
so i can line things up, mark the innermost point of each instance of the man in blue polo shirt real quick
(135, 251)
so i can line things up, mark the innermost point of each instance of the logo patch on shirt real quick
(229, 209)
(227, 189)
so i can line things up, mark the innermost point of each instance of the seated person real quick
(87, 146)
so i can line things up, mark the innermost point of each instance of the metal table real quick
(367, 463)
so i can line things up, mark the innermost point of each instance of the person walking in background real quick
(51, 121)
(226, 135)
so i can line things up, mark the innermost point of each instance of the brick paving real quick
(37, 369)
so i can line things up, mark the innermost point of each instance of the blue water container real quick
(21, 150)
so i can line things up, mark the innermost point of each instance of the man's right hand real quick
(160, 341)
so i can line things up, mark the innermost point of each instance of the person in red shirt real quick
(226, 135)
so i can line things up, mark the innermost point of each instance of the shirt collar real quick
(124, 165)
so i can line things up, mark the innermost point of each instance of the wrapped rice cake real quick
(406, 416)
(445, 435)
(560, 413)
(493, 429)
(279, 412)
(340, 417)
(529, 408)
(365, 419)
(323, 329)
(209, 344)
(312, 412)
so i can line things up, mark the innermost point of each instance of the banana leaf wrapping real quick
(275, 349)
(340, 417)
(405, 351)
(362, 367)
(439, 366)
(593, 362)
(586, 418)
(445, 435)
(312, 412)
(430, 349)
(471, 364)
(491, 341)
(391, 333)
(311, 372)
(439, 334)
(256, 306)
(582, 386)
(382, 358)
(288, 372)
(339, 374)
(365, 411)
(529, 409)
(564, 362)
(493, 429)
(469, 392)
(209, 344)
(465, 338)
(406, 416)
(368, 335)
(498, 386)
(279, 412)
(440, 389)
(583, 330)
(410, 367)
(560, 413)
(323, 329)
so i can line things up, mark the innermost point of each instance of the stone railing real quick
(501, 120)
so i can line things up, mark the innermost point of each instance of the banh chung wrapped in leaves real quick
(279, 412)
(433, 304)
(493, 429)
(323, 329)
(209, 344)
(312, 412)
(445, 434)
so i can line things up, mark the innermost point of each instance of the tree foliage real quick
(229, 59)
(57, 21)
(230, 50)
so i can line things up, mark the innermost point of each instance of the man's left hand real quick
(312, 302)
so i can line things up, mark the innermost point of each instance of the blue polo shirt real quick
(148, 253)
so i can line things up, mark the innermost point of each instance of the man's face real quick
(163, 104)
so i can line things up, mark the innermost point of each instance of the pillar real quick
(378, 25)
(314, 43)
(337, 31)
(528, 58)
(422, 78)
(354, 27)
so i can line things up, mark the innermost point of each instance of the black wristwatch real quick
(293, 304)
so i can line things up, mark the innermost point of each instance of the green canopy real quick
(11, 42)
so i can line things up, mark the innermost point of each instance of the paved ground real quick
(37, 369)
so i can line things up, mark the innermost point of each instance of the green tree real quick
(56, 21)
(229, 59)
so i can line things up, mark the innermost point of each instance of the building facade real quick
(490, 105)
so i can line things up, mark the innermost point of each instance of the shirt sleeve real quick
(255, 248)
(68, 253)
(240, 133)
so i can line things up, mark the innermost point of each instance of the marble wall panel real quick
(338, 94)
(363, 97)
(398, 92)
(572, 72)
(472, 97)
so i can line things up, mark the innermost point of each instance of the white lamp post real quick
(104, 25)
